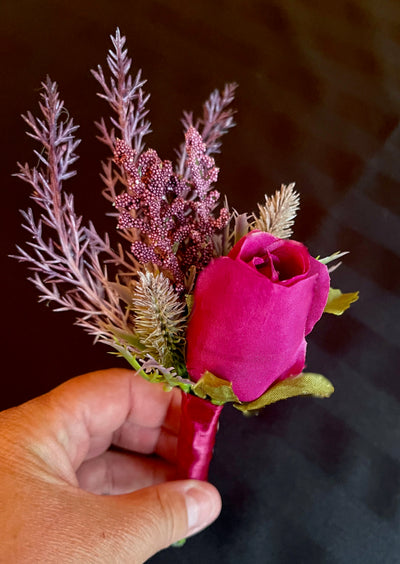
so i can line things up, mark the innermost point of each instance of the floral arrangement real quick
(197, 297)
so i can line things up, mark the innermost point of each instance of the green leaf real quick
(155, 376)
(218, 390)
(241, 226)
(124, 293)
(306, 384)
(189, 302)
(129, 338)
(131, 359)
(179, 543)
(333, 257)
(338, 303)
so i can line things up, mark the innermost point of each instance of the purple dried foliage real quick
(66, 262)
(168, 215)
(217, 120)
(126, 97)
(172, 217)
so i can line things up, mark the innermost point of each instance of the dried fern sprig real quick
(69, 256)
(125, 96)
(160, 319)
(128, 101)
(217, 117)
(277, 215)
(217, 120)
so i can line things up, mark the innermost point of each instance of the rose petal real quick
(255, 244)
(292, 261)
(298, 365)
(320, 293)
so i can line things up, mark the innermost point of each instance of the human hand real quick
(54, 458)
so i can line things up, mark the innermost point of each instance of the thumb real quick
(153, 518)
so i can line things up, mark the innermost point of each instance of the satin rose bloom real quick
(252, 311)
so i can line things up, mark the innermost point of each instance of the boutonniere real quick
(195, 295)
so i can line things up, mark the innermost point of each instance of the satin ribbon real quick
(199, 424)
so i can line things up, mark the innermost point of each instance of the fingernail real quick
(203, 506)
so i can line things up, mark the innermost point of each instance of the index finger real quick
(111, 406)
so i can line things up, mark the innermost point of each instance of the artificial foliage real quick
(193, 295)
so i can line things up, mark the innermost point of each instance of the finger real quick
(87, 411)
(146, 440)
(140, 524)
(137, 439)
(141, 439)
(167, 447)
(115, 473)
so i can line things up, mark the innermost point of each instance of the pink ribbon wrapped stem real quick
(199, 424)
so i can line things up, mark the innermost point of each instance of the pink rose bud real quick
(252, 311)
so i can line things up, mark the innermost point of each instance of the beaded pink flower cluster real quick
(172, 215)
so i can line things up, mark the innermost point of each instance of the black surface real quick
(307, 481)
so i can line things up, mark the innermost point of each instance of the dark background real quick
(308, 481)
